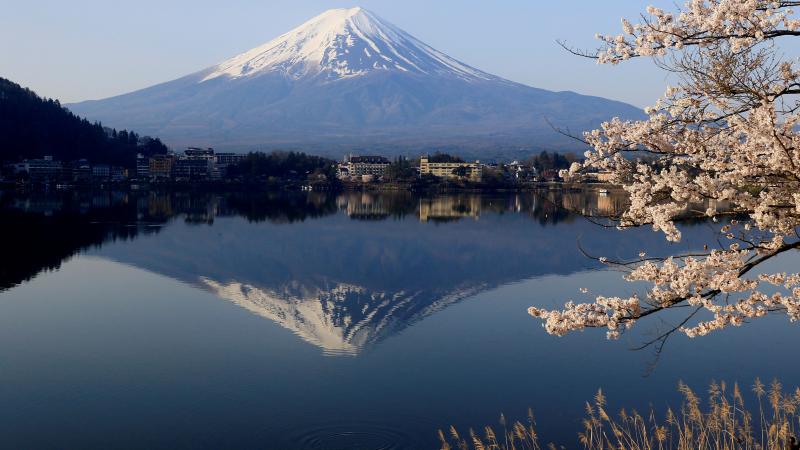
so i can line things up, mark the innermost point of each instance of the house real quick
(550, 175)
(521, 172)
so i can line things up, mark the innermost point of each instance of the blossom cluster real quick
(609, 312)
(724, 142)
(741, 23)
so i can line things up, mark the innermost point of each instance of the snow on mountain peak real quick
(343, 43)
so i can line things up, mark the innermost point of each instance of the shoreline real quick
(440, 187)
(481, 187)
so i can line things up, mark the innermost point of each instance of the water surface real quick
(322, 321)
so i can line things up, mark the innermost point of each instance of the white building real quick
(358, 166)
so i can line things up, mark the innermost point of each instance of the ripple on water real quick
(353, 436)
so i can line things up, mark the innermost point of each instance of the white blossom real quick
(723, 142)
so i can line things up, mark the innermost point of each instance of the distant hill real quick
(32, 127)
(348, 80)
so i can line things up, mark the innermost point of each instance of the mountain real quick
(348, 78)
(32, 127)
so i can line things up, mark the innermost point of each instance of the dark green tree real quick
(401, 169)
(32, 127)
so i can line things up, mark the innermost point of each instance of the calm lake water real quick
(321, 321)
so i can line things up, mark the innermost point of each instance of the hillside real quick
(32, 127)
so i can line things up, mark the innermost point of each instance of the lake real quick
(328, 321)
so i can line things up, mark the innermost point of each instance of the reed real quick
(722, 423)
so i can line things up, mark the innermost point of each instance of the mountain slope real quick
(345, 78)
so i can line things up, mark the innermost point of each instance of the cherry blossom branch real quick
(724, 142)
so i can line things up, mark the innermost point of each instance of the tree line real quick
(33, 127)
(284, 166)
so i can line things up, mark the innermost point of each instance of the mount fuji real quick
(348, 79)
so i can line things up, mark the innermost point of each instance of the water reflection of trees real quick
(340, 285)
(39, 230)
(281, 207)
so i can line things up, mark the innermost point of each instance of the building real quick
(191, 169)
(451, 169)
(222, 161)
(142, 167)
(101, 172)
(81, 171)
(521, 172)
(160, 166)
(358, 166)
(229, 159)
(342, 171)
(550, 175)
(195, 164)
(199, 153)
(118, 174)
(45, 169)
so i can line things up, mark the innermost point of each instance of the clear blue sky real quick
(89, 49)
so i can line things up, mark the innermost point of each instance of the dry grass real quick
(724, 423)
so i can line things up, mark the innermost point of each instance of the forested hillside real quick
(32, 127)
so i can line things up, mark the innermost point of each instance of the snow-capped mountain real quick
(349, 78)
(342, 43)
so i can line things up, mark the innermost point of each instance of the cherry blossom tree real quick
(724, 145)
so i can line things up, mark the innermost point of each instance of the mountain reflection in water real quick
(335, 278)
(209, 320)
